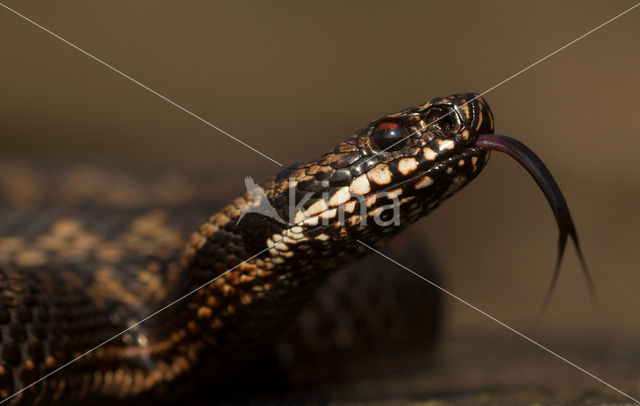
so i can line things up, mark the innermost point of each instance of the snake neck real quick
(236, 293)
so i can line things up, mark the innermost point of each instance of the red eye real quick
(388, 136)
(388, 126)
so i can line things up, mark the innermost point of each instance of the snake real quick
(111, 299)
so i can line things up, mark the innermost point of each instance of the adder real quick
(82, 261)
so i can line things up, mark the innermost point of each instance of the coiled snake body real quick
(94, 283)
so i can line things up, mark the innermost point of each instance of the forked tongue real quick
(536, 168)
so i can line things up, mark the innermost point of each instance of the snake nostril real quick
(442, 120)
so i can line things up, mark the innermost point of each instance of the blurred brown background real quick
(294, 78)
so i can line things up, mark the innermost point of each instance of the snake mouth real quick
(448, 174)
(537, 169)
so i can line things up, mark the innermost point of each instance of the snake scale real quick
(72, 276)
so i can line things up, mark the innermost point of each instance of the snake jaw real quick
(537, 169)
(399, 167)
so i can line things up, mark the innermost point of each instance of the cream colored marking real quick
(350, 206)
(407, 199)
(446, 144)
(461, 162)
(474, 160)
(311, 221)
(290, 235)
(392, 194)
(360, 185)
(423, 183)
(289, 240)
(407, 165)
(277, 260)
(295, 236)
(449, 170)
(429, 154)
(197, 240)
(299, 217)
(353, 221)
(376, 212)
(322, 237)
(328, 214)
(371, 200)
(465, 109)
(465, 134)
(296, 229)
(317, 207)
(380, 175)
(479, 121)
(339, 197)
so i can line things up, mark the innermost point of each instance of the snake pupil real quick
(389, 136)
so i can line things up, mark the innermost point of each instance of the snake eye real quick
(389, 136)
(443, 120)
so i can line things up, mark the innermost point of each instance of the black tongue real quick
(537, 169)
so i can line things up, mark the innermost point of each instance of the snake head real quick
(392, 171)
(430, 146)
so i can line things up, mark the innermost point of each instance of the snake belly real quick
(73, 276)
